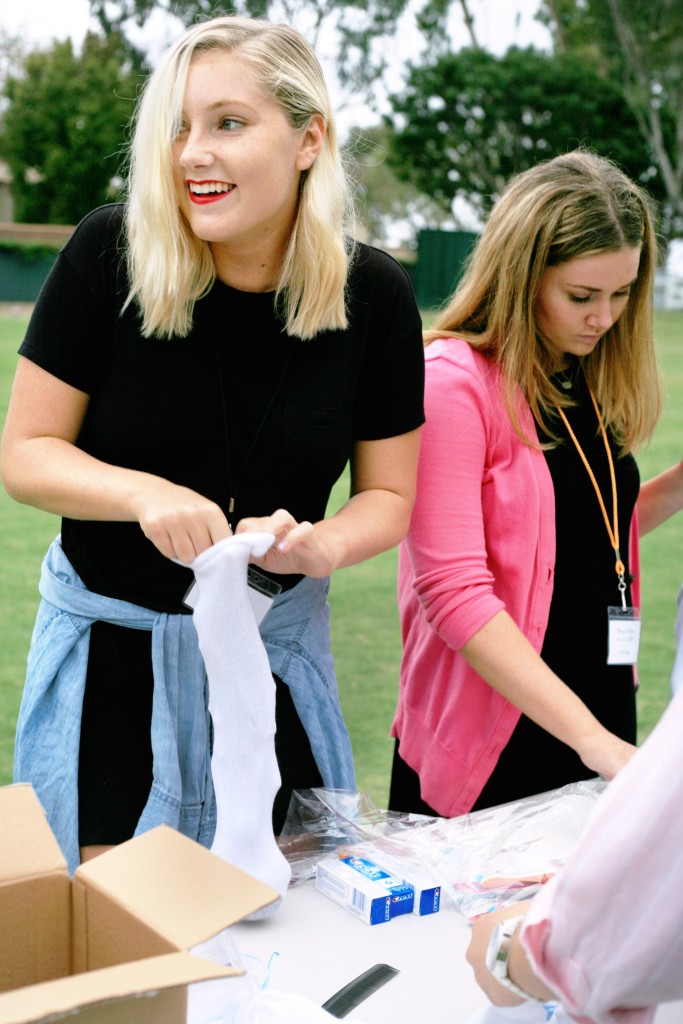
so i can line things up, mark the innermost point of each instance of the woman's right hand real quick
(177, 520)
(502, 656)
(605, 753)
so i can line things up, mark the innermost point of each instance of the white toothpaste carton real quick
(364, 888)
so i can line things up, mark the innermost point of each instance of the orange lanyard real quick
(612, 528)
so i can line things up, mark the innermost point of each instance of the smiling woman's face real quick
(580, 300)
(236, 160)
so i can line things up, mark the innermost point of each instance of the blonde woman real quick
(205, 359)
(518, 579)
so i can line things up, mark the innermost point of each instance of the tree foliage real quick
(637, 44)
(63, 128)
(361, 28)
(460, 126)
(465, 124)
(383, 199)
(12, 54)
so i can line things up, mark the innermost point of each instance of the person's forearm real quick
(660, 498)
(377, 515)
(504, 658)
(53, 475)
(370, 522)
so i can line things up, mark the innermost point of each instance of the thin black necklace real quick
(233, 486)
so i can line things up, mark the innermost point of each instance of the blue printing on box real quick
(427, 894)
(335, 878)
(430, 901)
(400, 896)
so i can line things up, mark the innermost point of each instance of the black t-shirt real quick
(586, 583)
(237, 408)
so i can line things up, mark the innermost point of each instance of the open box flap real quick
(29, 848)
(55, 999)
(175, 886)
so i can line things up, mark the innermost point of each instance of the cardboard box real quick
(365, 889)
(112, 944)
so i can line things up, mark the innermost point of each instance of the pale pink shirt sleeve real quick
(607, 932)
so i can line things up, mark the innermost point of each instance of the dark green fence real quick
(22, 274)
(440, 259)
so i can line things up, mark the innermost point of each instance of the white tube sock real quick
(242, 706)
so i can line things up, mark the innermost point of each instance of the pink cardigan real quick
(482, 538)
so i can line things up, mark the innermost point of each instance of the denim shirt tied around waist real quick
(295, 633)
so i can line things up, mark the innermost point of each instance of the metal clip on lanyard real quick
(612, 530)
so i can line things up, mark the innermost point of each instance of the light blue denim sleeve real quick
(49, 723)
(296, 635)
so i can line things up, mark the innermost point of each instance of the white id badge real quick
(623, 637)
(190, 598)
(262, 592)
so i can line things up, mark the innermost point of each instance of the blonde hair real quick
(571, 206)
(169, 267)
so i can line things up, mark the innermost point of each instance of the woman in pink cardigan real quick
(518, 580)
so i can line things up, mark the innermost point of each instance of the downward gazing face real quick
(578, 301)
(237, 162)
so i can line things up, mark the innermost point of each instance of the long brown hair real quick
(574, 205)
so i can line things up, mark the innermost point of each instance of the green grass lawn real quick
(364, 619)
(25, 534)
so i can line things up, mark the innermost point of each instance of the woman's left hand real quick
(374, 519)
(482, 928)
(298, 547)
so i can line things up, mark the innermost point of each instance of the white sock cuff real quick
(255, 544)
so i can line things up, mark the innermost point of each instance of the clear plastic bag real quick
(321, 822)
(481, 860)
